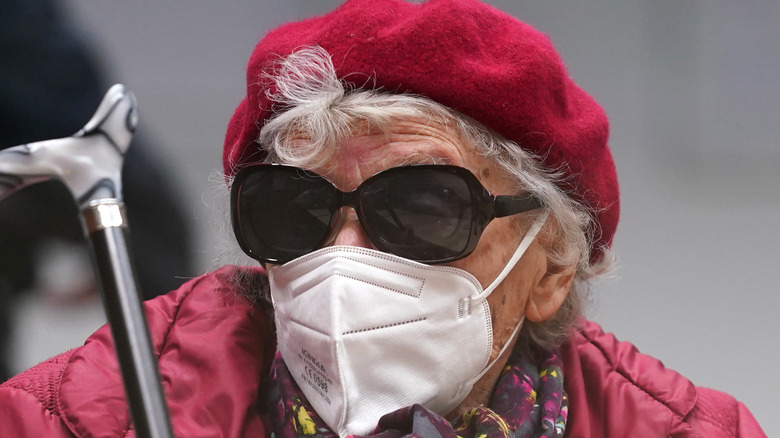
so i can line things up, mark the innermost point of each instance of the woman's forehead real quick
(367, 149)
(364, 153)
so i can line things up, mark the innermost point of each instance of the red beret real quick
(465, 55)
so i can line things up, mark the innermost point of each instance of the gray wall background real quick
(693, 93)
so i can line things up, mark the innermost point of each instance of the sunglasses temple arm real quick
(507, 205)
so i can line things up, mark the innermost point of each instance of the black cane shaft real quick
(125, 314)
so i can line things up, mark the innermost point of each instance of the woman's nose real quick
(350, 232)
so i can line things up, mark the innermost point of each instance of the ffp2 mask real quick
(365, 332)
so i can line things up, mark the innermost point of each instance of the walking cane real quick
(89, 163)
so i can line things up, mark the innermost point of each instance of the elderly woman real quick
(428, 195)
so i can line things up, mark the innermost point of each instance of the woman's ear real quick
(549, 291)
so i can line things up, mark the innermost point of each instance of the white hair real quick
(309, 99)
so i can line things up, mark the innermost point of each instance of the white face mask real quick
(365, 333)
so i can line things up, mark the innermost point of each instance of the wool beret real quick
(467, 56)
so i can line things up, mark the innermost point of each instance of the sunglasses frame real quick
(484, 204)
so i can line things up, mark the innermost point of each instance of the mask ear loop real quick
(500, 353)
(521, 248)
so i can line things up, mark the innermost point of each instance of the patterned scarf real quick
(529, 401)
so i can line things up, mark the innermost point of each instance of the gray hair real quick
(310, 99)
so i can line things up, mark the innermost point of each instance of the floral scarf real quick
(529, 401)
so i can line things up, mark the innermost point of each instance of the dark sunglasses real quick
(428, 213)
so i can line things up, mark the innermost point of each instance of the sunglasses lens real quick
(283, 212)
(420, 214)
(429, 214)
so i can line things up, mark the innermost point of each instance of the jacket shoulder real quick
(30, 400)
(717, 411)
(614, 390)
(203, 325)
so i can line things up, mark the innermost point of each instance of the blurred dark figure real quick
(49, 88)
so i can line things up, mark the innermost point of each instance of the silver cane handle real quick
(89, 163)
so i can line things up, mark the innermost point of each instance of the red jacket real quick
(214, 346)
